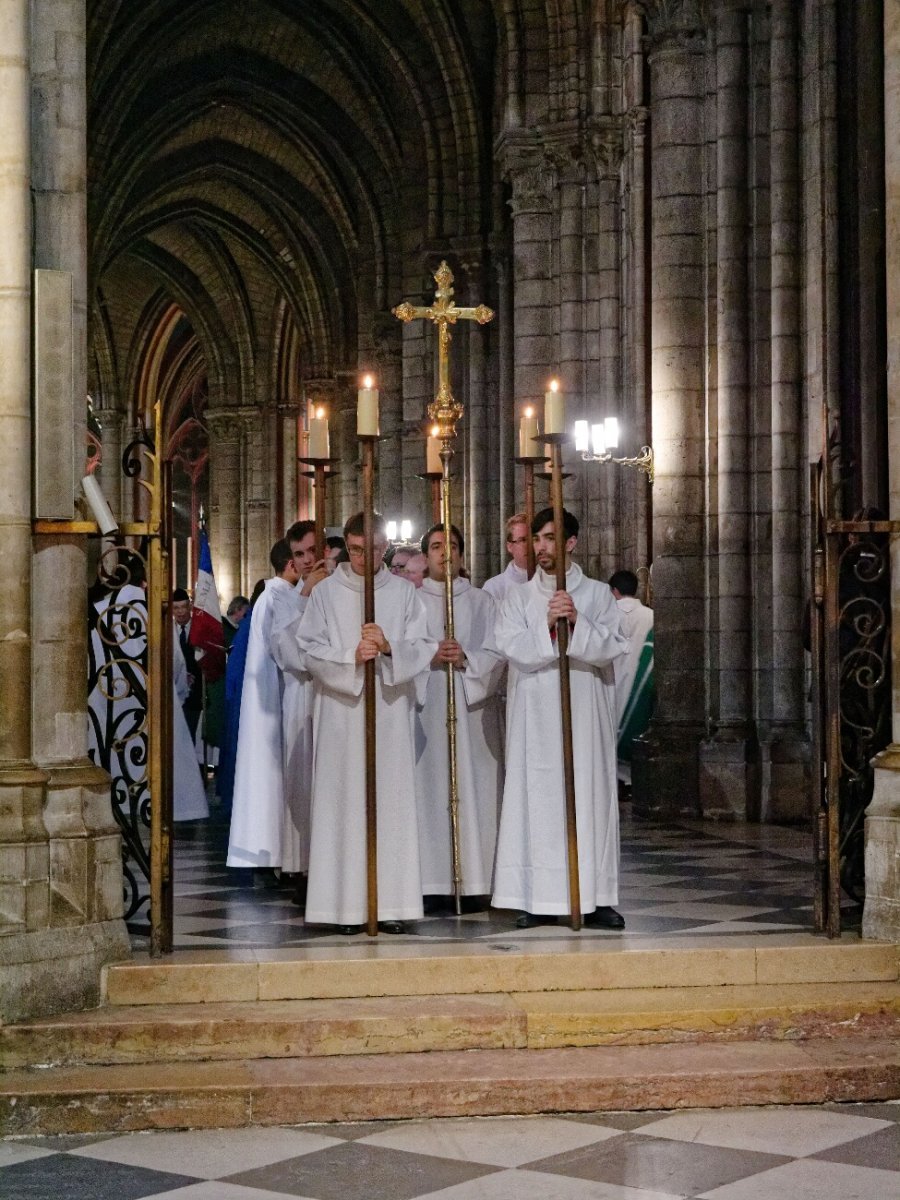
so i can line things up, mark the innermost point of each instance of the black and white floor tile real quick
(695, 878)
(833, 1152)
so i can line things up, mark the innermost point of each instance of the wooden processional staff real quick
(554, 434)
(367, 432)
(445, 412)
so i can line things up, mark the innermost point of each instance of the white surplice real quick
(498, 585)
(189, 802)
(257, 813)
(328, 635)
(636, 621)
(531, 872)
(479, 750)
(297, 723)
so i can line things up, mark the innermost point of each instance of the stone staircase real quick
(389, 1031)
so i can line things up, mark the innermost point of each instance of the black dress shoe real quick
(527, 920)
(604, 918)
(392, 926)
(350, 930)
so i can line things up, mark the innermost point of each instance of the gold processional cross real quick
(445, 411)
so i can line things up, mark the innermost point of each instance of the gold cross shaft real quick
(445, 411)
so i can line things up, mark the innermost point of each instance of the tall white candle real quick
(367, 409)
(433, 465)
(554, 409)
(318, 446)
(528, 432)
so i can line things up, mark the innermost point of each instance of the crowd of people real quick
(292, 765)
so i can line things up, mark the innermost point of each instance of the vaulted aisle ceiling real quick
(271, 164)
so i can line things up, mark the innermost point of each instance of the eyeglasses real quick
(359, 551)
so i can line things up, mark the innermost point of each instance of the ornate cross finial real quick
(444, 411)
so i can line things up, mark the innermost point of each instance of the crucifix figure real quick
(445, 411)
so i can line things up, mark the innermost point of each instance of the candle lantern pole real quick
(367, 431)
(445, 412)
(368, 480)
(556, 441)
(320, 474)
(529, 465)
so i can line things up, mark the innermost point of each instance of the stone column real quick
(390, 484)
(533, 181)
(288, 416)
(112, 422)
(479, 502)
(727, 773)
(85, 848)
(604, 380)
(637, 511)
(665, 771)
(24, 852)
(508, 486)
(788, 748)
(881, 915)
(225, 499)
(60, 870)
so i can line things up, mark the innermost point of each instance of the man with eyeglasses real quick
(336, 643)
(516, 569)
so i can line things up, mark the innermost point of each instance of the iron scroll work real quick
(130, 693)
(850, 634)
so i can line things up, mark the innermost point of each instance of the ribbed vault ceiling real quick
(248, 159)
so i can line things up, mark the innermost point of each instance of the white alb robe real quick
(635, 621)
(297, 724)
(189, 802)
(498, 585)
(531, 871)
(257, 812)
(328, 635)
(479, 749)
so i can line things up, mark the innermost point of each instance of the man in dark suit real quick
(181, 614)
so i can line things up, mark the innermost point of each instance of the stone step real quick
(382, 969)
(447, 1083)
(516, 1020)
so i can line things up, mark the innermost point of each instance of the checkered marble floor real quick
(691, 878)
(832, 1152)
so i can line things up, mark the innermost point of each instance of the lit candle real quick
(528, 432)
(433, 465)
(406, 531)
(318, 435)
(367, 409)
(554, 409)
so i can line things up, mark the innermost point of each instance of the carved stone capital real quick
(532, 188)
(677, 24)
(606, 143)
(225, 424)
(109, 418)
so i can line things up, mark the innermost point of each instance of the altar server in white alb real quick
(479, 748)
(257, 814)
(531, 870)
(517, 535)
(337, 642)
(296, 699)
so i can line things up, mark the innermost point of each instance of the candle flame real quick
(320, 413)
(435, 430)
(368, 381)
(529, 412)
(554, 385)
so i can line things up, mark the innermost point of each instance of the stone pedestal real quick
(881, 915)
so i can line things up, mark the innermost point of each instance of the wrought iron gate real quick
(850, 617)
(130, 690)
